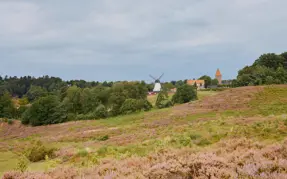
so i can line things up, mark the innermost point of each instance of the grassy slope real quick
(80, 144)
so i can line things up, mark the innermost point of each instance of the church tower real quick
(218, 76)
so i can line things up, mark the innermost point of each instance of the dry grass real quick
(236, 158)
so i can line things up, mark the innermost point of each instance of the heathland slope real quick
(237, 133)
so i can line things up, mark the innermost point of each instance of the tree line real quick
(53, 101)
(268, 69)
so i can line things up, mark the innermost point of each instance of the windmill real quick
(157, 85)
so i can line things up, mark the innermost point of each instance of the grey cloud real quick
(134, 38)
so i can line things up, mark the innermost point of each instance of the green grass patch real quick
(271, 101)
(202, 94)
(8, 161)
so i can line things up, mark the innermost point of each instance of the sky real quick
(130, 39)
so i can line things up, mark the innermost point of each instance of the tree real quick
(89, 100)
(284, 55)
(179, 83)
(72, 101)
(184, 94)
(195, 85)
(135, 105)
(214, 82)
(270, 60)
(168, 86)
(44, 111)
(116, 101)
(101, 112)
(35, 92)
(207, 80)
(7, 109)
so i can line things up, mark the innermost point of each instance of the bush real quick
(38, 151)
(203, 142)
(195, 136)
(10, 121)
(185, 94)
(22, 164)
(164, 104)
(130, 106)
(101, 112)
(147, 105)
(82, 153)
(104, 138)
(162, 100)
(135, 105)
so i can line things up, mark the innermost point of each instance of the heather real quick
(235, 133)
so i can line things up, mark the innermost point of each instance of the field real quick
(236, 133)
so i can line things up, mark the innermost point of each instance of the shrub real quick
(37, 151)
(3, 120)
(164, 104)
(104, 138)
(10, 121)
(203, 142)
(162, 100)
(147, 105)
(22, 164)
(195, 136)
(101, 112)
(135, 105)
(82, 153)
(185, 94)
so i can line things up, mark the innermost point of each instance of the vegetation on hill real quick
(267, 69)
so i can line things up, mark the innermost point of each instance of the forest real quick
(50, 100)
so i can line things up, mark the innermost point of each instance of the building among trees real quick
(199, 83)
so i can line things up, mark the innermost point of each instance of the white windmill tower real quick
(157, 85)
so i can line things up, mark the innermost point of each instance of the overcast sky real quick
(130, 39)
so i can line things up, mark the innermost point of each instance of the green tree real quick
(179, 83)
(7, 109)
(135, 105)
(89, 100)
(184, 94)
(100, 112)
(116, 101)
(35, 92)
(195, 85)
(214, 82)
(130, 106)
(44, 111)
(207, 80)
(72, 101)
(168, 86)
(284, 55)
(270, 60)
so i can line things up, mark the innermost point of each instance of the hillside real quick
(238, 132)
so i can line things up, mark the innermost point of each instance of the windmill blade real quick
(161, 76)
(152, 77)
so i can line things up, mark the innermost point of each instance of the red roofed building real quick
(199, 83)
